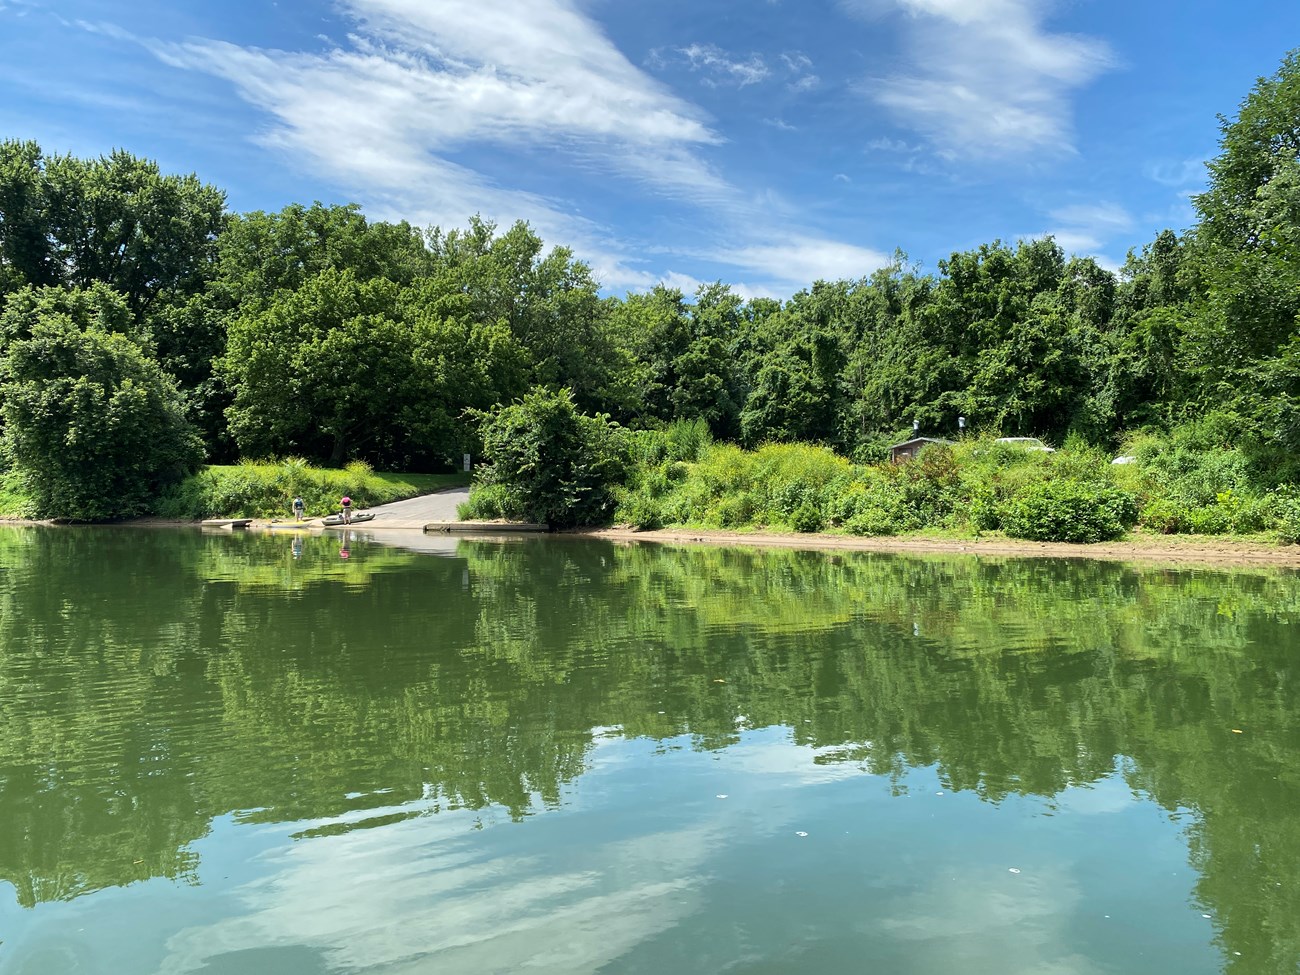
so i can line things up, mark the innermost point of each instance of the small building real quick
(910, 448)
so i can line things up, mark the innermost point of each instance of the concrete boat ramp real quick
(433, 513)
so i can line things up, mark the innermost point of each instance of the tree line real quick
(146, 327)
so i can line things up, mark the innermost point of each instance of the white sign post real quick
(467, 462)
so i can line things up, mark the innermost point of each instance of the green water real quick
(233, 753)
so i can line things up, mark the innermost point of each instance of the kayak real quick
(332, 521)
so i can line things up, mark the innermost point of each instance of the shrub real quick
(807, 518)
(558, 466)
(732, 511)
(1166, 515)
(872, 521)
(685, 440)
(1211, 520)
(641, 512)
(490, 502)
(95, 427)
(1288, 517)
(1070, 511)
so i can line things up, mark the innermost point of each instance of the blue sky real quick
(765, 143)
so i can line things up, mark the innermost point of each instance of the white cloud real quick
(803, 259)
(382, 117)
(1104, 218)
(986, 78)
(722, 66)
(890, 145)
(423, 113)
(796, 61)
(1088, 228)
(799, 66)
(1179, 175)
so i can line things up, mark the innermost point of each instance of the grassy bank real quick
(1177, 483)
(264, 489)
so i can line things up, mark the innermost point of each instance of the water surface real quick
(238, 753)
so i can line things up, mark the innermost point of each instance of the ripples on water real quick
(236, 753)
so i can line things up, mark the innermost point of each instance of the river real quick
(244, 753)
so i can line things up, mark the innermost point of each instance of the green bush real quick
(872, 521)
(490, 502)
(1287, 506)
(732, 511)
(641, 512)
(807, 518)
(557, 466)
(1211, 520)
(1070, 511)
(1166, 516)
(92, 423)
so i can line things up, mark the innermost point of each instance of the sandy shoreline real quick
(1168, 549)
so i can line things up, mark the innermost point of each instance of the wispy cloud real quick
(798, 67)
(424, 114)
(1182, 174)
(986, 77)
(1089, 228)
(384, 116)
(805, 258)
(719, 67)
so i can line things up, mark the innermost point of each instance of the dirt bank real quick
(1168, 549)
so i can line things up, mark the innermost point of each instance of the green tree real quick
(685, 354)
(93, 424)
(549, 463)
(1242, 338)
(117, 219)
(342, 368)
(548, 300)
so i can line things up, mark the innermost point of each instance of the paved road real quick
(418, 512)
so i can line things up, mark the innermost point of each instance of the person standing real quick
(346, 504)
(298, 508)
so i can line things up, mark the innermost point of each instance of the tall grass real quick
(972, 487)
(1185, 480)
(266, 489)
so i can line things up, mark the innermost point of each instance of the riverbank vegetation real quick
(145, 329)
(264, 490)
(1175, 483)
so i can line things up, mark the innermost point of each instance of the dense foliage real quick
(315, 332)
(549, 464)
(93, 424)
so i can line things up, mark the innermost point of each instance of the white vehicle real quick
(1027, 443)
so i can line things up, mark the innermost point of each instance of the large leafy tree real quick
(1242, 340)
(343, 368)
(264, 253)
(548, 300)
(93, 424)
(685, 353)
(262, 257)
(117, 219)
